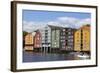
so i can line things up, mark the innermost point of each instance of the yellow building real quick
(82, 39)
(77, 40)
(29, 41)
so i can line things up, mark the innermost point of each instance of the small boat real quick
(83, 55)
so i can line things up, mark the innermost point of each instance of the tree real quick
(25, 33)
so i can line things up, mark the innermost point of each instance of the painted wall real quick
(37, 39)
(70, 39)
(62, 39)
(29, 39)
(77, 40)
(55, 38)
(29, 43)
(46, 36)
(82, 36)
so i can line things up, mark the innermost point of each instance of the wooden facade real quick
(82, 39)
(37, 39)
(29, 42)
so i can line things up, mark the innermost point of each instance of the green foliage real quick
(25, 33)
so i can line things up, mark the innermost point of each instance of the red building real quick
(37, 40)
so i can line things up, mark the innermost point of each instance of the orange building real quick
(29, 43)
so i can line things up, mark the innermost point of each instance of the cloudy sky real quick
(33, 20)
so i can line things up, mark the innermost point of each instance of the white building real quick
(46, 38)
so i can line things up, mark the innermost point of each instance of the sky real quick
(33, 19)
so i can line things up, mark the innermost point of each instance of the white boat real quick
(83, 55)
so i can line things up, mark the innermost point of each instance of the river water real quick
(40, 57)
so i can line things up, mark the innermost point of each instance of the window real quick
(63, 29)
(38, 38)
(85, 33)
(77, 40)
(46, 36)
(46, 30)
(77, 34)
(85, 36)
(63, 33)
(69, 32)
